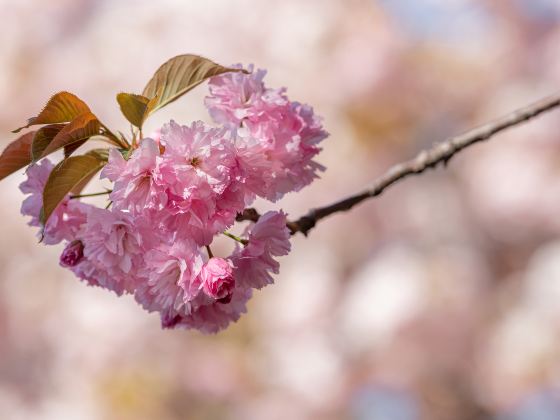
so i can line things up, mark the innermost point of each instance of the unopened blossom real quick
(72, 254)
(217, 280)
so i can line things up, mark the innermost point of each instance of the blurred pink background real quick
(438, 300)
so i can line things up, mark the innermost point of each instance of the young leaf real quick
(179, 75)
(66, 177)
(16, 155)
(62, 107)
(134, 107)
(72, 147)
(43, 137)
(80, 128)
(77, 190)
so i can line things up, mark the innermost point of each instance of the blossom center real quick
(195, 161)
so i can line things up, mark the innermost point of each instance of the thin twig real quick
(236, 238)
(72, 197)
(439, 153)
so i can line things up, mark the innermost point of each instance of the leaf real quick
(135, 107)
(72, 147)
(42, 138)
(77, 190)
(100, 154)
(81, 128)
(62, 107)
(16, 155)
(179, 75)
(66, 177)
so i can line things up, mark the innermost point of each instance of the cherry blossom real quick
(175, 192)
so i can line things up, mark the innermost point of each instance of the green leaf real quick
(62, 107)
(179, 75)
(135, 107)
(16, 155)
(42, 138)
(68, 176)
(77, 190)
(79, 129)
(101, 154)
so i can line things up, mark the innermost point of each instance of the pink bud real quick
(72, 254)
(217, 279)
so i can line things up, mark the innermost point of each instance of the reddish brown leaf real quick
(72, 147)
(81, 128)
(16, 155)
(42, 138)
(62, 107)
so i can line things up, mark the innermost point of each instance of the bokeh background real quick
(437, 301)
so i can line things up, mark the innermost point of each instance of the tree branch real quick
(439, 153)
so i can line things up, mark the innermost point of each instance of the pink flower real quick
(136, 187)
(156, 135)
(67, 218)
(178, 190)
(268, 238)
(217, 280)
(197, 168)
(72, 254)
(196, 156)
(113, 245)
(97, 276)
(235, 96)
(37, 176)
(172, 283)
(213, 316)
(276, 139)
(65, 222)
(168, 279)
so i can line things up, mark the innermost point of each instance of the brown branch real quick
(250, 214)
(439, 153)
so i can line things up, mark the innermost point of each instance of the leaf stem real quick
(236, 238)
(119, 142)
(90, 195)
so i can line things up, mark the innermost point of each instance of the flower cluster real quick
(180, 189)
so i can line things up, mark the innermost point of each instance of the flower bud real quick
(72, 254)
(217, 280)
